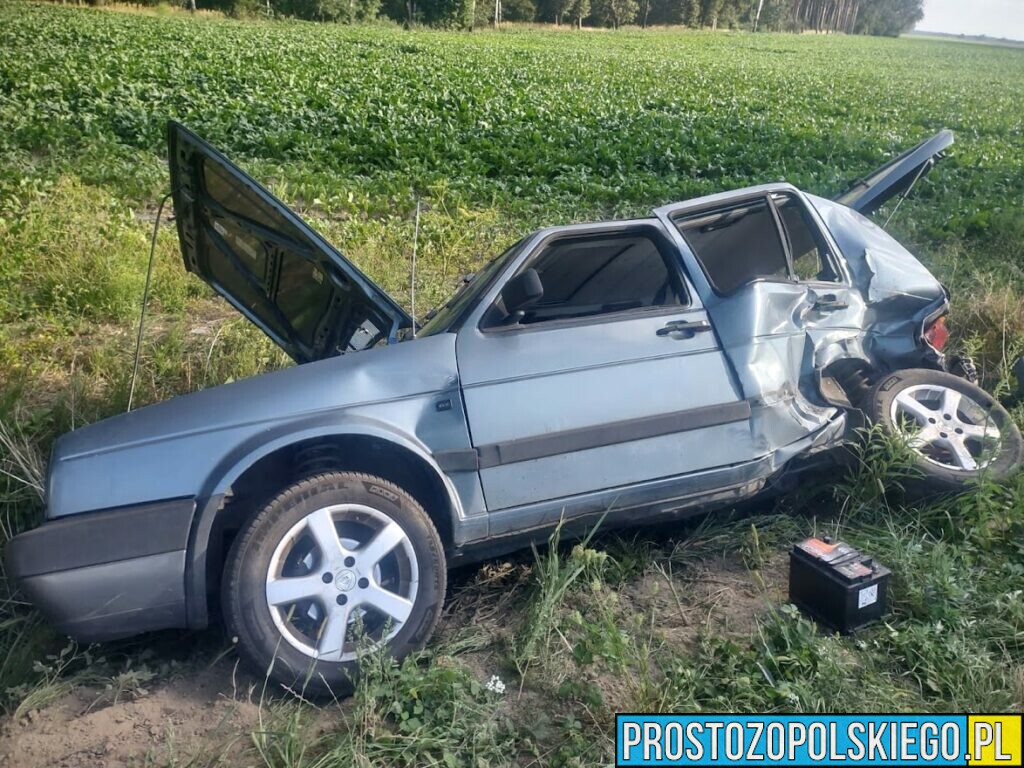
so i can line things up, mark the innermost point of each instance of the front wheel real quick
(957, 431)
(337, 564)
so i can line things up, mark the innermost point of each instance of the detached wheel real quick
(336, 564)
(956, 430)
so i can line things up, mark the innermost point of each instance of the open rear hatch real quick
(897, 176)
(267, 262)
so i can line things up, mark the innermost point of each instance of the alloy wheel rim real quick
(340, 569)
(946, 427)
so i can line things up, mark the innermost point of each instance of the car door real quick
(612, 378)
(780, 296)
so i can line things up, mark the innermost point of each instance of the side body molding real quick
(579, 439)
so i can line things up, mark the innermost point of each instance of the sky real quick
(995, 18)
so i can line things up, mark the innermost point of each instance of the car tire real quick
(301, 606)
(957, 432)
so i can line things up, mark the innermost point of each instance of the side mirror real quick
(523, 289)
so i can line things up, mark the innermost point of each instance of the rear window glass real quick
(736, 245)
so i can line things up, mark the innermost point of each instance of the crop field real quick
(496, 133)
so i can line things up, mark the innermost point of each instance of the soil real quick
(202, 713)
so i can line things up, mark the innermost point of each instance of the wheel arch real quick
(252, 474)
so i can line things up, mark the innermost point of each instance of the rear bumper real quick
(104, 575)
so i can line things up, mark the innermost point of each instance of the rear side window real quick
(736, 245)
(811, 257)
(597, 275)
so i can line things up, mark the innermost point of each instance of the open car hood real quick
(896, 176)
(267, 262)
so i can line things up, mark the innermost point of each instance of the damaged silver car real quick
(640, 369)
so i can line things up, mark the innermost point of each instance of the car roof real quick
(725, 197)
(682, 205)
(595, 226)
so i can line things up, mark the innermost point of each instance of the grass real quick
(499, 133)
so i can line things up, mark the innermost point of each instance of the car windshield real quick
(440, 320)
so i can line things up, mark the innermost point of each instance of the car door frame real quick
(792, 405)
(850, 318)
(695, 269)
(642, 493)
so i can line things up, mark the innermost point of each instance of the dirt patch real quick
(719, 596)
(208, 712)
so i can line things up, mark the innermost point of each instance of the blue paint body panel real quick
(518, 427)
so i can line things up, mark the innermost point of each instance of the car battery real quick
(836, 584)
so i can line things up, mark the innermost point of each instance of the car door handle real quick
(688, 327)
(829, 303)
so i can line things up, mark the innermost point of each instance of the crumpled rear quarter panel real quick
(899, 290)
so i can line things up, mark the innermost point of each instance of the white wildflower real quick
(494, 685)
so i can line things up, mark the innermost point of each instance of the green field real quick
(499, 133)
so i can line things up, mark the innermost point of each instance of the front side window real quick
(736, 245)
(592, 275)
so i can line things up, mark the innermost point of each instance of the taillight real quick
(937, 334)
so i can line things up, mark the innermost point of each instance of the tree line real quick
(864, 17)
